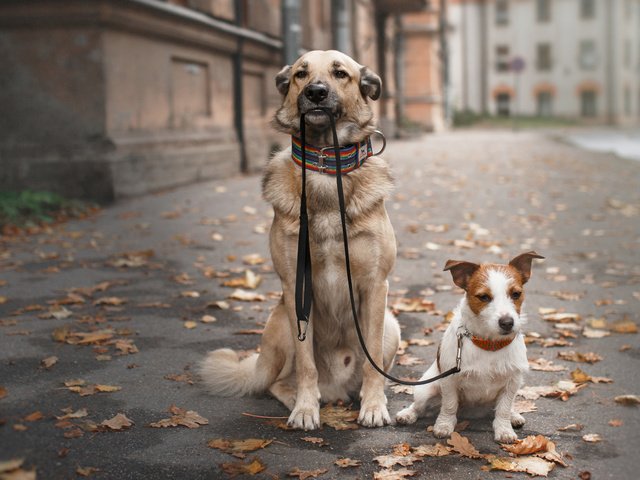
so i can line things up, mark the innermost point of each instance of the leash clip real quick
(461, 336)
(302, 332)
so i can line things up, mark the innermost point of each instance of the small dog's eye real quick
(341, 74)
(484, 298)
(516, 295)
(301, 74)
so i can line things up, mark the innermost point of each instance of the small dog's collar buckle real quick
(461, 336)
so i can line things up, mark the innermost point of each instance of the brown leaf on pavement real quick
(437, 450)
(579, 376)
(48, 362)
(572, 356)
(615, 422)
(34, 417)
(399, 474)
(544, 365)
(532, 465)
(388, 461)
(253, 259)
(628, 400)
(186, 418)
(624, 326)
(528, 445)
(238, 448)
(304, 474)
(573, 427)
(118, 422)
(561, 317)
(69, 413)
(592, 438)
(412, 305)
(245, 296)
(110, 301)
(347, 463)
(463, 446)
(338, 417)
(86, 471)
(3, 392)
(250, 281)
(315, 440)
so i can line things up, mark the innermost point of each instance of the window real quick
(587, 56)
(587, 9)
(543, 60)
(543, 8)
(502, 12)
(502, 104)
(502, 58)
(544, 102)
(588, 103)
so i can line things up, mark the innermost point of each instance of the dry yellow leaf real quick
(238, 448)
(463, 446)
(118, 422)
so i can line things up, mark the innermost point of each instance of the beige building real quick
(579, 58)
(109, 98)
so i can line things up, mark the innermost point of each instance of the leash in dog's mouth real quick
(303, 290)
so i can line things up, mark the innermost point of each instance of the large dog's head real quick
(330, 80)
(494, 293)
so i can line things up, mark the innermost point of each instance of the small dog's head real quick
(331, 80)
(494, 293)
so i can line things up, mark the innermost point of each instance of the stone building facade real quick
(580, 58)
(110, 98)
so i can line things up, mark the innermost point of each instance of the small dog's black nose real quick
(316, 92)
(506, 323)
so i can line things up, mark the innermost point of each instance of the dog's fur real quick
(328, 365)
(492, 292)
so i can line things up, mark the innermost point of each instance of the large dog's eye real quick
(516, 295)
(340, 74)
(486, 298)
(301, 74)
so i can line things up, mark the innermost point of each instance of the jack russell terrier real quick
(493, 354)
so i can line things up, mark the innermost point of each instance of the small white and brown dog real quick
(493, 352)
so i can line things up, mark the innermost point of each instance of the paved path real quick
(482, 196)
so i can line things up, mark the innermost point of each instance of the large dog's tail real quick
(223, 373)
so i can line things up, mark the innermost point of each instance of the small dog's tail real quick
(223, 373)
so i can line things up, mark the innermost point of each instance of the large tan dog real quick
(329, 365)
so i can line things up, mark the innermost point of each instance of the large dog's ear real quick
(461, 271)
(370, 83)
(283, 78)
(522, 263)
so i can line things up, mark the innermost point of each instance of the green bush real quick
(35, 207)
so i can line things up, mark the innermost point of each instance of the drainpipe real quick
(291, 30)
(609, 70)
(398, 70)
(484, 53)
(444, 57)
(238, 60)
(381, 59)
(340, 20)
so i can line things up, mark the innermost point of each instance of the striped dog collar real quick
(323, 160)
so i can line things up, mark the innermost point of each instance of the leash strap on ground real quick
(307, 282)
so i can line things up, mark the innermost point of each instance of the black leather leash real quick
(303, 292)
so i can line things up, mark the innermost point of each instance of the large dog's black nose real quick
(506, 323)
(316, 92)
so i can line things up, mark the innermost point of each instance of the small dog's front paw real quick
(305, 418)
(374, 414)
(505, 436)
(407, 416)
(517, 420)
(443, 428)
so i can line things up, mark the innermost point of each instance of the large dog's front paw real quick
(517, 420)
(374, 414)
(407, 416)
(444, 426)
(305, 417)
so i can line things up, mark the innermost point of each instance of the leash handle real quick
(302, 271)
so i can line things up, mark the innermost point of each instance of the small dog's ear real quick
(370, 84)
(283, 78)
(522, 263)
(461, 271)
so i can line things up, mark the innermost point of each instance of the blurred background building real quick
(110, 98)
(577, 59)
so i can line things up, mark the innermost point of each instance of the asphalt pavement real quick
(112, 313)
